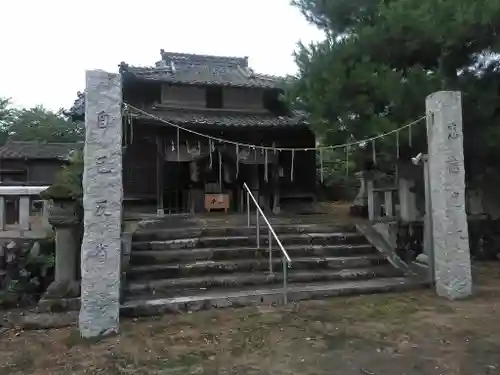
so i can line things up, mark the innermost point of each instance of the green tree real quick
(381, 58)
(6, 118)
(41, 124)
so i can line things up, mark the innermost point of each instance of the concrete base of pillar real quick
(61, 296)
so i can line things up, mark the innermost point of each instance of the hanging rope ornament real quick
(410, 140)
(237, 160)
(397, 157)
(292, 166)
(224, 142)
(178, 145)
(210, 144)
(266, 178)
(321, 171)
(220, 172)
(397, 145)
(374, 153)
(347, 161)
(131, 129)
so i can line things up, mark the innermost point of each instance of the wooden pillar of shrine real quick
(160, 160)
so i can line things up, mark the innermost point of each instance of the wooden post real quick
(389, 208)
(428, 246)
(371, 200)
(159, 175)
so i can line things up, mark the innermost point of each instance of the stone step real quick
(174, 287)
(142, 257)
(198, 268)
(246, 241)
(225, 231)
(271, 295)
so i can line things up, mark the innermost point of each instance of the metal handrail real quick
(287, 261)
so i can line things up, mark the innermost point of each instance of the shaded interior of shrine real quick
(169, 175)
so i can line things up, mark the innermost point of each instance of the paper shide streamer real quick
(178, 145)
(397, 156)
(237, 160)
(292, 166)
(266, 178)
(211, 149)
(374, 153)
(410, 136)
(347, 161)
(321, 164)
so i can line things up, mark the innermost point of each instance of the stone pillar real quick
(102, 204)
(24, 212)
(388, 204)
(360, 204)
(66, 246)
(374, 204)
(2, 213)
(447, 188)
(407, 202)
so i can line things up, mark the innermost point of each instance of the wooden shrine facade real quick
(168, 170)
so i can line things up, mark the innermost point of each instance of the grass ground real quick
(408, 333)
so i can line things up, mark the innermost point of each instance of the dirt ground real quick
(407, 333)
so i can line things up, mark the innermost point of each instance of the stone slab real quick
(267, 296)
(450, 236)
(102, 203)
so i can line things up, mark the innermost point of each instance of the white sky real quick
(47, 45)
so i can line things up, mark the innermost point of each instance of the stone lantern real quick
(65, 215)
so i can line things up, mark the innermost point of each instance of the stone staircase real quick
(189, 269)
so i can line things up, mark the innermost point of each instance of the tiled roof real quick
(221, 118)
(38, 150)
(185, 68)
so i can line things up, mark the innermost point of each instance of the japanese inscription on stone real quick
(453, 165)
(102, 120)
(452, 131)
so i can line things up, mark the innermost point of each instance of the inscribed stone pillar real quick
(102, 203)
(447, 189)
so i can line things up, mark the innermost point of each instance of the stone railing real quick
(23, 214)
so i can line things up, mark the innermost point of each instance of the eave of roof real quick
(33, 150)
(222, 118)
